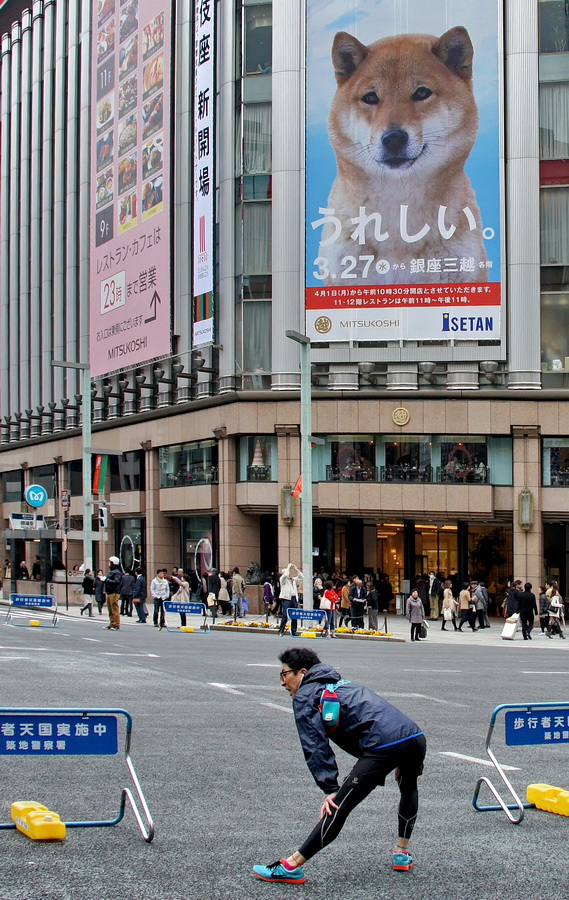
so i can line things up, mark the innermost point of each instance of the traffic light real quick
(103, 517)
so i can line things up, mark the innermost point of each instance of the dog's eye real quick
(422, 93)
(370, 98)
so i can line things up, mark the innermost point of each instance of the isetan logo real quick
(467, 323)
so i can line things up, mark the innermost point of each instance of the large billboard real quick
(130, 184)
(203, 172)
(404, 187)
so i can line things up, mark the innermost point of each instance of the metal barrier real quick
(74, 732)
(309, 615)
(525, 724)
(187, 609)
(32, 602)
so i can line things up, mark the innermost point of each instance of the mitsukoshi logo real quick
(467, 323)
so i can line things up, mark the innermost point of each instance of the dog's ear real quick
(347, 54)
(455, 50)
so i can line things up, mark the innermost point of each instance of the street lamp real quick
(86, 455)
(305, 462)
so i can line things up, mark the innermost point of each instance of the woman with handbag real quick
(449, 606)
(464, 607)
(328, 605)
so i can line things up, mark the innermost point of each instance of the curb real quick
(337, 637)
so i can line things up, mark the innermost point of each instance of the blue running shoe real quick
(277, 872)
(402, 861)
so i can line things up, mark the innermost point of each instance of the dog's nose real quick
(395, 140)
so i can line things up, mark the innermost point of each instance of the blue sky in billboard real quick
(376, 19)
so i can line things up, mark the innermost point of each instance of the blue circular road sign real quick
(35, 495)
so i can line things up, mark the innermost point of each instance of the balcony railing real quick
(351, 473)
(463, 475)
(258, 473)
(405, 474)
(194, 476)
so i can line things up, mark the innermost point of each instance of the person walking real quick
(415, 612)
(112, 589)
(556, 615)
(527, 608)
(465, 605)
(159, 591)
(543, 607)
(435, 591)
(289, 596)
(100, 590)
(127, 591)
(139, 597)
(477, 597)
(449, 606)
(88, 592)
(381, 737)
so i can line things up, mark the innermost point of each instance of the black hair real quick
(465, 585)
(299, 658)
(527, 586)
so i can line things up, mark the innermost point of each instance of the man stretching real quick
(382, 739)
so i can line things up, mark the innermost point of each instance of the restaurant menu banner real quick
(130, 184)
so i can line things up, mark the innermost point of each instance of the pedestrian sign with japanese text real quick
(537, 726)
(38, 734)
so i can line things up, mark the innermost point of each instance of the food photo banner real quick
(130, 184)
(404, 189)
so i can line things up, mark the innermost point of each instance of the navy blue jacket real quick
(367, 723)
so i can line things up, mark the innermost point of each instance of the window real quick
(183, 465)
(257, 127)
(47, 477)
(555, 278)
(127, 471)
(258, 458)
(352, 458)
(407, 458)
(257, 337)
(555, 466)
(258, 39)
(130, 544)
(257, 251)
(553, 26)
(199, 543)
(13, 486)
(463, 459)
(554, 120)
(75, 477)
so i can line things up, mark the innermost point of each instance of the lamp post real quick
(86, 456)
(305, 462)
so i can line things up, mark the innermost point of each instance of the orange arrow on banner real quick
(297, 489)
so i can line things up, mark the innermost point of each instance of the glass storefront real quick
(182, 465)
(555, 462)
(130, 543)
(199, 543)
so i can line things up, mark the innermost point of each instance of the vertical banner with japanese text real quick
(204, 172)
(130, 184)
(404, 183)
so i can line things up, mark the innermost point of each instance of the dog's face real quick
(403, 104)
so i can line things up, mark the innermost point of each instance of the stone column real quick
(162, 533)
(522, 191)
(288, 454)
(238, 533)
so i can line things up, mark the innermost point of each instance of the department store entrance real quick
(436, 549)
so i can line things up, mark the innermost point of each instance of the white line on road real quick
(145, 655)
(14, 657)
(95, 640)
(457, 671)
(480, 762)
(556, 672)
(263, 665)
(226, 688)
(426, 697)
(285, 709)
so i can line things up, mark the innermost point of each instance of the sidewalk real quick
(398, 626)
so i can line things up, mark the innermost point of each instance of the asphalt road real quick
(215, 748)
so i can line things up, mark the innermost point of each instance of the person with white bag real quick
(449, 607)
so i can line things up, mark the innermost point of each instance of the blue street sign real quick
(32, 600)
(35, 495)
(309, 615)
(537, 726)
(197, 609)
(47, 734)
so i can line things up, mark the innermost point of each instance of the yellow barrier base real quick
(549, 798)
(37, 821)
(34, 623)
(187, 628)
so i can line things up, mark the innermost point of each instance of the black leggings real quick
(416, 630)
(366, 775)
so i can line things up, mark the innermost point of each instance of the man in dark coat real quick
(527, 608)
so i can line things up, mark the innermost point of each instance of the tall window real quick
(554, 180)
(258, 39)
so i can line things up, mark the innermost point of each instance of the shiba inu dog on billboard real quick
(402, 124)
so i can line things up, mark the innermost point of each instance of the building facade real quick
(442, 453)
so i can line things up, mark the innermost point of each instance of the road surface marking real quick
(112, 653)
(226, 688)
(263, 665)
(480, 762)
(14, 657)
(95, 640)
(457, 671)
(285, 709)
(427, 697)
(556, 672)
